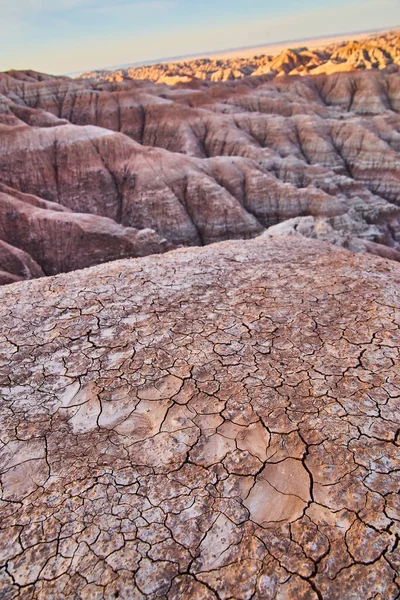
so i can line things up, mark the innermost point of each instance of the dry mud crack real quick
(216, 423)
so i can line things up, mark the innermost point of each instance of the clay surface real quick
(215, 423)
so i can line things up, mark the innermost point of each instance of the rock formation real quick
(213, 423)
(94, 171)
(218, 422)
(40, 238)
(374, 52)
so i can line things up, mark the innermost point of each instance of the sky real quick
(66, 36)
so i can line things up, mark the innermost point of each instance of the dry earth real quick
(216, 423)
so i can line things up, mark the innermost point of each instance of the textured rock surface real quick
(212, 423)
(154, 166)
(373, 52)
(37, 238)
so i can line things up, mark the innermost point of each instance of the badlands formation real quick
(216, 421)
(92, 171)
(378, 52)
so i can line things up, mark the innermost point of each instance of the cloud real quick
(34, 7)
(24, 7)
(150, 5)
(22, 18)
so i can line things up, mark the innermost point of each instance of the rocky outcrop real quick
(374, 52)
(217, 422)
(37, 238)
(15, 265)
(154, 167)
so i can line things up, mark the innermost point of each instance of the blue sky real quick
(61, 36)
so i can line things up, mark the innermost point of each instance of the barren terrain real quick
(216, 421)
(92, 171)
(211, 424)
(330, 55)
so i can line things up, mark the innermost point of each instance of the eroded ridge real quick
(372, 52)
(215, 423)
(96, 171)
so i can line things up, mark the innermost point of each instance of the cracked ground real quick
(216, 423)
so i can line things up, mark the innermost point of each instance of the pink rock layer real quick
(91, 171)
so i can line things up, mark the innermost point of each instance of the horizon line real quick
(210, 53)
